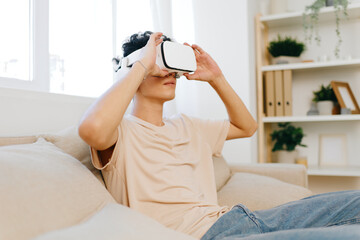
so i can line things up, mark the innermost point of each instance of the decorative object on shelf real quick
(325, 99)
(329, 3)
(278, 6)
(323, 58)
(336, 109)
(311, 18)
(313, 110)
(348, 57)
(286, 139)
(345, 96)
(345, 111)
(332, 152)
(286, 50)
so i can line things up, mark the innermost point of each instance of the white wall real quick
(222, 29)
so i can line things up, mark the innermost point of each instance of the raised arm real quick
(98, 125)
(242, 123)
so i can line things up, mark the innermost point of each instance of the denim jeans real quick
(325, 216)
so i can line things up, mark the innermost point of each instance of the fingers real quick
(195, 51)
(198, 48)
(158, 41)
(156, 37)
(193, 76)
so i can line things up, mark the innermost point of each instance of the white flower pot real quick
(284, 156)
(325, 107)
(285, 60)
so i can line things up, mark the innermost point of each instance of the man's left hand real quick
(207, 69)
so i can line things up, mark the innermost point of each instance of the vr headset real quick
(171, 56)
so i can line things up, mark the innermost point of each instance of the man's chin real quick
(169, 98)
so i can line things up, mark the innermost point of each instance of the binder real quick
(269, 94)
(279, 97)
(287, 80)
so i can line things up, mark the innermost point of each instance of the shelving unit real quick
(318, 118)
(264, 24)
(340, 64)
(296, 18)
(338, 172)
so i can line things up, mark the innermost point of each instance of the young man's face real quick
(161, 88)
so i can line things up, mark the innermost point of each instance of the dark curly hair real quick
(137, 41)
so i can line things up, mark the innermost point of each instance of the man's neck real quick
(149, 112)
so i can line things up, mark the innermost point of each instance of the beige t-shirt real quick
(167, 172)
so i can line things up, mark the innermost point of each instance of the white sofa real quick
(50, 190)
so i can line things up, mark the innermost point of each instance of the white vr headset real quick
(171, 56)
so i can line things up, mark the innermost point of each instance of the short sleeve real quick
(95, 158)
(214, 132)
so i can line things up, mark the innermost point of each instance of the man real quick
(163, 167)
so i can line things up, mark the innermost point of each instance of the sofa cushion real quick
(70, 142)
(4, 141)
(259, 192)
(115, 222)
(43, 188)
(221, 171)
(67, 140)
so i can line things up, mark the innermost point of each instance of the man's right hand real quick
(148, 56)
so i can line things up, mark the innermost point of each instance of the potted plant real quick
(325, 99)
(287, 138)
(311, 19)
(286, 50)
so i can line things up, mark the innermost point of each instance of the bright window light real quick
(15, 39)
(132, 17)
(80, 45)
(183, 21)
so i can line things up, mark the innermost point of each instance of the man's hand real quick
(207, 69)
(148, 56)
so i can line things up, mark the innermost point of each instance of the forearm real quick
(239, 115)
(99, 123)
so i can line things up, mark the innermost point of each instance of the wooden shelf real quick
(335, 172)
(265, 26)
(353, 63)
(296, 18)
(317, 118)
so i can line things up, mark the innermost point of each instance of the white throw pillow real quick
(115, 222)
(43, 189)
(70, 142)
(259, 192)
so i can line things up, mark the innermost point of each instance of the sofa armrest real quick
(290, 173)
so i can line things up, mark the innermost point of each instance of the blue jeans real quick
(325, 216)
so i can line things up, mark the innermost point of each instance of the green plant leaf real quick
(324, 94)
(287, 137)
(286, 47)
